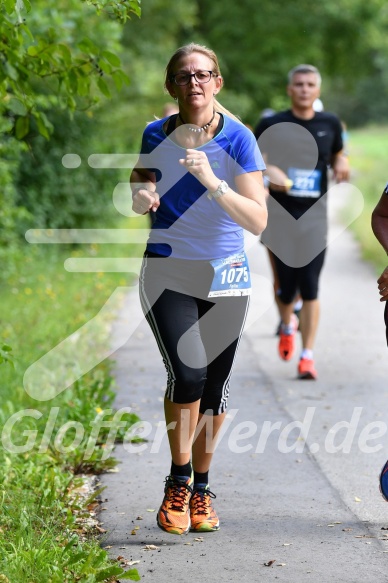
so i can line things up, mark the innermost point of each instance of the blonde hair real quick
(188, 49)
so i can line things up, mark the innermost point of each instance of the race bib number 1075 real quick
(231, 277)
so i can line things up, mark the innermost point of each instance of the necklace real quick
(201, 129)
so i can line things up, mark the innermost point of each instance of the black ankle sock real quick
(201, 477)
(181, 471)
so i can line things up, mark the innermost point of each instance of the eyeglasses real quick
(199, 76)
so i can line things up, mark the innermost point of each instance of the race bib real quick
(305, 182)
(231, 277)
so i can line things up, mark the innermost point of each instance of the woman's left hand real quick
(197, 164)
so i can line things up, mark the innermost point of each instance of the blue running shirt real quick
(187, 224)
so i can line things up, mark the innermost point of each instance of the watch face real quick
(223, 187)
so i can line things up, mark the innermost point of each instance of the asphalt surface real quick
(294, 505)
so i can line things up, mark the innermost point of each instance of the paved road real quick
(306, 499)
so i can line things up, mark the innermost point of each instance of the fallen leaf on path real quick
(150, 548)
(127, 563)
(270, 563)
(150, 509)
(281, 564)
(139, 518)
(357, 499)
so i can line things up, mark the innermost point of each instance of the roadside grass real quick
(48, 447)
(368, 160)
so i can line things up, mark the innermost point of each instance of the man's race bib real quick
(231, 277)
(305, 182)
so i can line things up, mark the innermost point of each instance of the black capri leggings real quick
(303, 279)
(197, 337)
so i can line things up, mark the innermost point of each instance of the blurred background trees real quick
(85, 76)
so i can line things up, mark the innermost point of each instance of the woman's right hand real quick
(144, 201)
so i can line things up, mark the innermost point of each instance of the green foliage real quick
(58, 54)
(55, 58)
(42, 537)
(59, 197)
(5, 354)
(369, 168)
(10, 153)
(257, 46)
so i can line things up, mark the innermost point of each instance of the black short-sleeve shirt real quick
(288, 149)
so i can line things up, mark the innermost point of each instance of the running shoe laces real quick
(203, 516)
(174, 515)
(202, 503)
(177, 493)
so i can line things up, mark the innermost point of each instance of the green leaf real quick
(11, 71)
(73, 81)
(87, 46)
(132, 574)
(105, 66)
(5, 356)
(65, 53)
(77, 558)
(25, 28)
(42, 128)
(27, 5)
(108, 572)
(83, 86)
(17, 107)
(10, 6)
(103, 87)
(32, 51)
(117, 80)
(111, 58)
(125, 79)
(22, 127)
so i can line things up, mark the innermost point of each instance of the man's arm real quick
(274, 177)
(340, 165)
(380, 230)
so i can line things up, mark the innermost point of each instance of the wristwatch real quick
(222, 188)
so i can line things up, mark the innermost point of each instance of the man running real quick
(304, 146)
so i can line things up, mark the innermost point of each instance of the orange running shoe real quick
(173, 515)
(202, 514)
(287, 340)
(306, 370)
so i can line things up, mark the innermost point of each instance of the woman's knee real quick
(187, 386)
